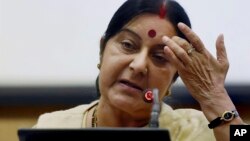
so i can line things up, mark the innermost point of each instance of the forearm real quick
(214, 108)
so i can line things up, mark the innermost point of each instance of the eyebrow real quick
(132, 32)
(158, 46)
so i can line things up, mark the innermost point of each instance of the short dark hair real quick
(132, 8)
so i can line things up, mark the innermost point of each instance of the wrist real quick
(226, 117)
(216, 109)
(216, 105)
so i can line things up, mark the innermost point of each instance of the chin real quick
(130, 104)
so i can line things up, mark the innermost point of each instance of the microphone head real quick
(148, 96)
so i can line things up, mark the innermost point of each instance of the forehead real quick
(145, 22)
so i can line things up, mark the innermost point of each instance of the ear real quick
(102, 41)
(101, 48)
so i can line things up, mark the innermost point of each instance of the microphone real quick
(154, 120)
(148, 96)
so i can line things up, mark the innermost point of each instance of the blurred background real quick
(49, 50)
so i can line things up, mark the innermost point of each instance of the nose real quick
(139, 63)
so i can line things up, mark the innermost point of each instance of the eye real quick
(128, 45)
(160, 57)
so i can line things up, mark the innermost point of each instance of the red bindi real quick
(152, 33)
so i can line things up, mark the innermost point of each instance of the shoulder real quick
(70, 118)
(185, 124)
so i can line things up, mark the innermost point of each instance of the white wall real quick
(56, 42)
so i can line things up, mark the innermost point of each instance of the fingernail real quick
(181, 25)
(165, 39)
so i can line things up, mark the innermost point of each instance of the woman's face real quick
(127, 55)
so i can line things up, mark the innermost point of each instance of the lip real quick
(131, 86)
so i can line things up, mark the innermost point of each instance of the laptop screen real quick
(91, 134)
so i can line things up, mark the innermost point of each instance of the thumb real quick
(221, 50)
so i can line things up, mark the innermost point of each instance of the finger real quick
(177, 50)
(192, 37)
(221, 50)
(182, 43)
(172, 58)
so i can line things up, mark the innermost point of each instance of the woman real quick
(147, 45)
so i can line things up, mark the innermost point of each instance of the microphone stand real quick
(154, 121)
